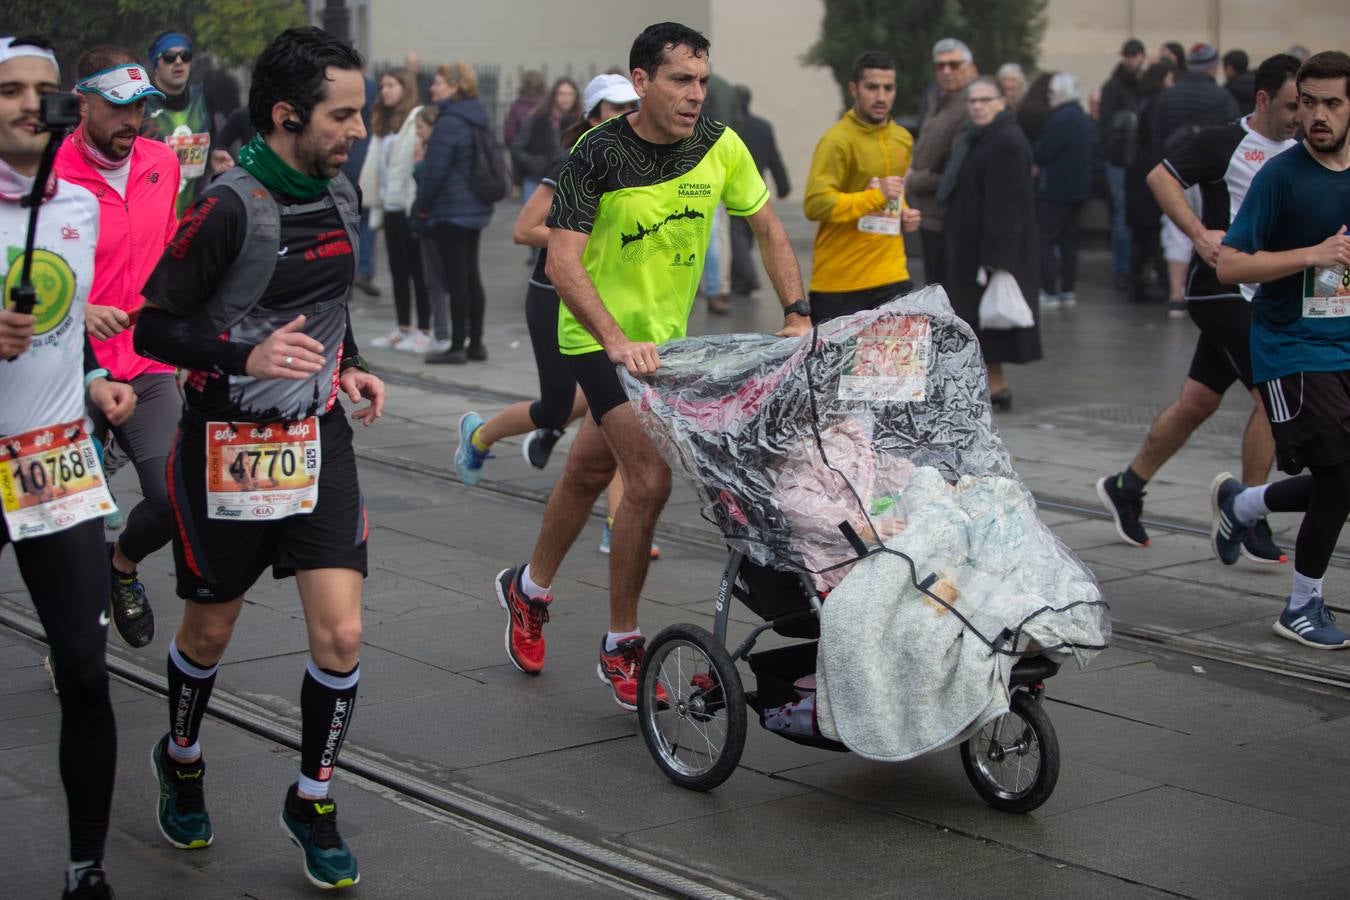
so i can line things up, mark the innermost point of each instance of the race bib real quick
(884, 221)
(1326, 292)
(192, 150)
(890, 367)
(50, 480)
(257, 473)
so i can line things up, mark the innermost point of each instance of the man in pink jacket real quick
(136, 182)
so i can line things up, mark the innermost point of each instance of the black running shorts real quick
(218, 560)
(1223, 352)
(1309, 414)
(599, 381)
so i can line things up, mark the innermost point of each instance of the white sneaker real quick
(1049, 301)
(1067, 298)
(438, 346)
(392, 339)
(419, 342)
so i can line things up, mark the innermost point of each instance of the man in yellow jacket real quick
(856, 191)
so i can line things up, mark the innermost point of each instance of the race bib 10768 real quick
(51, 480)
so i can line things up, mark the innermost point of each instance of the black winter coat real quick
(991, 221)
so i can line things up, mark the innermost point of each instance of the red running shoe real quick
(620, 670)
(525, 618)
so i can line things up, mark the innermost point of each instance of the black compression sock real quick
(1130, 482)
(327, 699)
(190, 686)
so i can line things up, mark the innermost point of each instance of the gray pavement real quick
(1199, 759)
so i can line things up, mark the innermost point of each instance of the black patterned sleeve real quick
(576, 198)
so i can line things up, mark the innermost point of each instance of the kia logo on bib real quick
(263, 512)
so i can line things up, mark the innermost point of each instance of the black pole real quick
(337, 19)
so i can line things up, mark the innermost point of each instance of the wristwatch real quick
(355, 362)
(800, 307)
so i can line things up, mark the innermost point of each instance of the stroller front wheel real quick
(691, 706)
(1013, 761)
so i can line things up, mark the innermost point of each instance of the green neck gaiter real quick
(262, 162)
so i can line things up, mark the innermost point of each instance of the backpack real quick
(1179, 136)
(1122, 138)
(488, 178)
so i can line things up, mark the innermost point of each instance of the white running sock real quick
(76, 869)
(612, 638)
(531, 589)
(309, 789)
(1250, 505)
(1304, 589)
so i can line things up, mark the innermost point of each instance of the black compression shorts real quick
(1309, 415)
(599, 381)
(1223, 351)
(218, 560)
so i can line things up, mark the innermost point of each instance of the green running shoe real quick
(182, 803)
(312, 825)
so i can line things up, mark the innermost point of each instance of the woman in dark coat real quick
(446, 202)
(991, 224)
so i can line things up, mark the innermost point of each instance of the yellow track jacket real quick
(847, 157)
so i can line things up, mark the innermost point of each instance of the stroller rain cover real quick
(865, 454)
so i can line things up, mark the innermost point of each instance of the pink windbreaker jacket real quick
(132, 233)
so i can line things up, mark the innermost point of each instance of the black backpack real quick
(1122, 138)
(488, 179)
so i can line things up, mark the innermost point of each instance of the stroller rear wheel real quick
(696, 733)
(1013, 762)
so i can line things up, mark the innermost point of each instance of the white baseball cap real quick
(122, 84)
(614, 88)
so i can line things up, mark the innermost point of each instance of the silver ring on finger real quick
(287, 361)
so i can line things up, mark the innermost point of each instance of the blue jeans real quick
(1120, 234)
(365, 258)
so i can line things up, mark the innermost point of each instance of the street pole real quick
(337, 19)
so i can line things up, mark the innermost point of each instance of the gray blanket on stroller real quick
(898, 673)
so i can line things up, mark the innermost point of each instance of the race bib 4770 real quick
(257, 473)
(50, 480)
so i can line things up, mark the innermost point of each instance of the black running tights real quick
(557, 384)
(1324, 498)
(67, 576)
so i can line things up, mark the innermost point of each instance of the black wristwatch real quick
(801, 308)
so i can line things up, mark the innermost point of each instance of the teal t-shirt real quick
(1300, 323)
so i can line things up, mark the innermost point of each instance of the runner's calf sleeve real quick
(189, 691)
(327, 699)
(1328, 506)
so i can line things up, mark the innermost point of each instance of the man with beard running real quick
(52, 508)
(251, 297)
(136, 182)
(1222, 162)
(1290, 236)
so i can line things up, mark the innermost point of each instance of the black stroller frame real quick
(1012, 762)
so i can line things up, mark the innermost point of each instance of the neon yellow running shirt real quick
(648, 209)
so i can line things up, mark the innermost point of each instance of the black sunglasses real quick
(169, 56)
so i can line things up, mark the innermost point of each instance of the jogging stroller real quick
(865, 450)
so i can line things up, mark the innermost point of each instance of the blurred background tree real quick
(233, 31)
(997, 31)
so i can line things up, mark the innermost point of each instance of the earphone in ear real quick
(292, 126)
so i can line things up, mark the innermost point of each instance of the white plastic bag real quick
(1003, 306)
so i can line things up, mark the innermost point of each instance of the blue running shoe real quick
(182, 804)
(312, 825)
(1225, 531)
(1312, 626)
(468, 458)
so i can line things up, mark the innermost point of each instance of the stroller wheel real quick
(697, 732)
(1013, 762)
